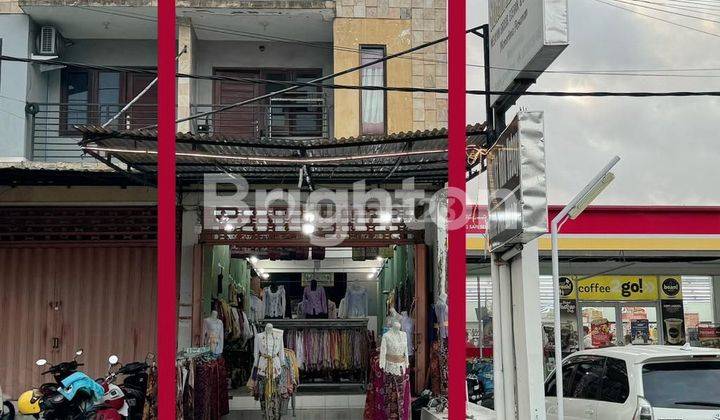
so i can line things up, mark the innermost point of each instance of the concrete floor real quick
(326, 414)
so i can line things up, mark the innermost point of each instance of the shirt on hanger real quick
(257, 309)
(356, 302)
(274, 302)
(314, 301)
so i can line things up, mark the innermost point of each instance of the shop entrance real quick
(606, 324)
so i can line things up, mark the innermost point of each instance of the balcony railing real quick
(298, 115)
(55, 140)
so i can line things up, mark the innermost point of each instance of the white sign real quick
(517, 193)
(526, 36)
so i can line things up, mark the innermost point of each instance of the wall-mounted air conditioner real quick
(49, 41)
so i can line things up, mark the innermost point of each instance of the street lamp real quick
(572, 211)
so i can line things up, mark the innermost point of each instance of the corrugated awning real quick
(376, 159)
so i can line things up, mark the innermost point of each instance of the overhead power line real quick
(296, 84)
(659, 19)
(635, 4)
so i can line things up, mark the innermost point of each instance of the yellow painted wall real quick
(350, 33)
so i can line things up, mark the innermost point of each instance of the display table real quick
(474, 411)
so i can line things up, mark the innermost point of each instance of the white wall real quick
(15, 35)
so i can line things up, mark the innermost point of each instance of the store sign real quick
(517, 208)
(670, 287)
(618, 288)
(323, 279)
(673, 315)
(526, 36)
(567, 288)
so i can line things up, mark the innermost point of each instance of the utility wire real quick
(297, 84)
(698, 10)
(414, 56)
(659, 19)
(667, 11)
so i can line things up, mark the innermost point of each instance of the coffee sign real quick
(670, 287)
(618, 288)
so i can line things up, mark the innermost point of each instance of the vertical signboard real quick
(526, 36)
(517, 209)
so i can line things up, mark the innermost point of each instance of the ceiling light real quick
(309, 217)
(265, 275)
(379, 258)
(385, 217)
(253, 259)
(228, 227)
(371, 275)
(308, 228)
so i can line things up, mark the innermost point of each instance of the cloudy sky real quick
(670, 147)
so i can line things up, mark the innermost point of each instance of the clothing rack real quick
(357, 324)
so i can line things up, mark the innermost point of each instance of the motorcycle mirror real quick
(41, 362)
(150, 356)
(113, 359)
(79, 352)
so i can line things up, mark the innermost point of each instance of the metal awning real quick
(386, 159)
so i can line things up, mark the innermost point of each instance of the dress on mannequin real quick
(269, 357)
(213, 333)
(394, 362)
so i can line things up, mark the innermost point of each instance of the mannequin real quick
(407, 326)
(441, 312)
(394, 362)
(274, 301)
(269, 355)
(213, 333)
(356, 301)
(392, 317)
(315, 301)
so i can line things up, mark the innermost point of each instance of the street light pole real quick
(572, 210)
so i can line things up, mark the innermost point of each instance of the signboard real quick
(517, 201)
(673, 315)
(323, 279)
(601, 333)
(640, 331)
(526, 36)
(671, 287)
(568, 290)
(618, 288)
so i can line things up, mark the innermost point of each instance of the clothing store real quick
(352, 328)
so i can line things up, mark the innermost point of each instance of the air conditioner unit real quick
(49, 41)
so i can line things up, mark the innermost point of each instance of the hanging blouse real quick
(356, 302)
(441, 312)
(257, 309)
(314, 301)
(332, 310)
(407, 326)
(274, 302)
(342, 309)
(394, 352)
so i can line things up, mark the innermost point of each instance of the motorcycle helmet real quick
(29, 403)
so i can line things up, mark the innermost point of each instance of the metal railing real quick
(295, 115)
(55, 140)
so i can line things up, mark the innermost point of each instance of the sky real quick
(669, 147)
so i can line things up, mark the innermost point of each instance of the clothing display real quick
(332, 310)
(257, 309)
(356, 301)
(394, 351)
(202, 392)
(439, 367)
(388, 395)
(269, 354)
(213, 333)
(319, 349)
(342, 309)
(150, 411)
(314, 300)
(274, 302)
(441, 312)
(406, 324)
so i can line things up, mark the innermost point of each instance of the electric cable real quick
(659, 19)
(687, 9)
(666, 11)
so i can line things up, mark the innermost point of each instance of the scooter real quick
(112, 406)
(72, 395)
(7, 410)
(135, 385)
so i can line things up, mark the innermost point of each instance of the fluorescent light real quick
(228, 227)
(591, 195)
(253, 259)
(265, 275)
(379, 258)
(371, 275)
(385, 217)
(308, 228)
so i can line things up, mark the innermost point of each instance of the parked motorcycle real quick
(112, 406)
(135, 385)
(7, 410)
(71, 396)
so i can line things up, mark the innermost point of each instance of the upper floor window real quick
(372, 102)
(90, 96)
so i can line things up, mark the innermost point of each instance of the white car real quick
(639, 383)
